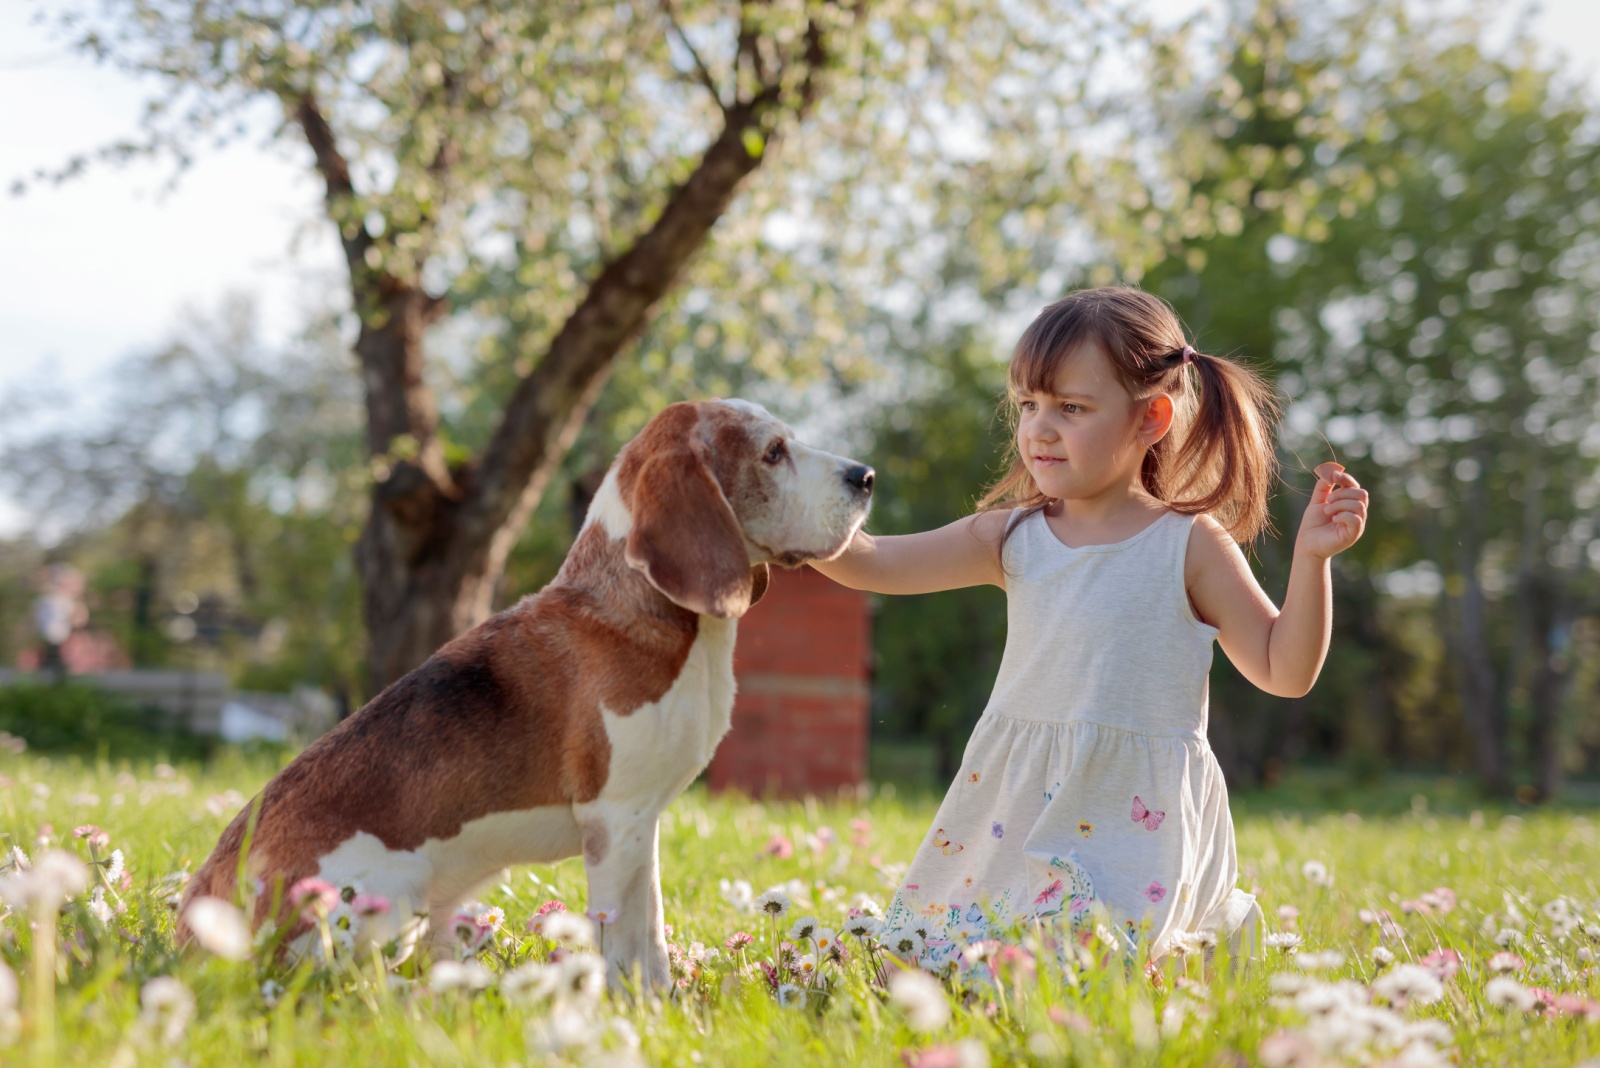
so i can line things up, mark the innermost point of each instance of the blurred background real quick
(324, 319)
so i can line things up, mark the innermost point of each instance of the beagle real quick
(567, 723)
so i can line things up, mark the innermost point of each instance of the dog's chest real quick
(658, 748)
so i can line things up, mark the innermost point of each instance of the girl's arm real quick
(963, 553)
(1280, 651)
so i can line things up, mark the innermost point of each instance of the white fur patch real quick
(608, 510)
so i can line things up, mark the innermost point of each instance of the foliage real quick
(72, 718)
(1419, 884)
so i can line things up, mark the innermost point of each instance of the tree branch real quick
(335, 172)
(705, 73)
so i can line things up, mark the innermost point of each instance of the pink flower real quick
(314, 898)
(932, 1057)
(95, 836)
(861, 833)
(1155, 891)
(1443, 963)
(1008, 958)
(737, 941)
(369, 905)
(536, 925)
(1576, 1005)
(779, 846)
(468, 932)
(1072, 1021)
(603, 917)
(1050, 893)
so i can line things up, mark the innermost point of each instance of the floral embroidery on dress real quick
(998, 830)
(973, 777)
(1085, 828)
(1050, 894)
(1155, 891)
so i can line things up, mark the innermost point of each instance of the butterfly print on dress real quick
(1151, 820)
(942, 840)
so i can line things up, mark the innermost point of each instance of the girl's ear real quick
(1157, 419)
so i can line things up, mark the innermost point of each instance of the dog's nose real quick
(860, 476)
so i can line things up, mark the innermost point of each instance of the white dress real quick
(1088, 787)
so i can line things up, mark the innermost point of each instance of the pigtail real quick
(1224, 463)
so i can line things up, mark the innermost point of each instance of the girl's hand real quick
(1336, 515)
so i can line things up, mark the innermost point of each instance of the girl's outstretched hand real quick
(1336, 515)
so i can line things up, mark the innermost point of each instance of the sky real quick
(103, 265)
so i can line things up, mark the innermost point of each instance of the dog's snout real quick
(860, 476)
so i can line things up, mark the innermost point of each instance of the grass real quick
(1505, 869)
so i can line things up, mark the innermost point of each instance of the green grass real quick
(1397, 848)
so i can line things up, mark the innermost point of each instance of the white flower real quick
(54, 878)
(1316, 872)
(805, 927)
(1504, 992)
(1317, 998)
(739, 894)
(791, 996)
(564, 1028)
(904, 943)
(98, 908)
(219, 928)
(1408, 984)
(459, 975)
(1284, 940)
(581, 976)
(1382, 956)
(1328, 959)
(866, 904)
(806, 966)
(115, 867)
(167, 1002)
(773, 903)
(864, 926)
(569, 929)
(18, 859)
(529, 983)
(922, 998)
(1508, 936)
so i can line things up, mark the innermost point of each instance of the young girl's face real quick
(1083, 437)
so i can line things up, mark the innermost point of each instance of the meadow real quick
(1420, 930)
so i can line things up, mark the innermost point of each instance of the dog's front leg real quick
(620, 856)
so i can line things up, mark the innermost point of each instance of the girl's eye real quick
(1072, 409)
(1026, 405)
(775, 452)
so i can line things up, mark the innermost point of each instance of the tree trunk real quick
(1471, 656)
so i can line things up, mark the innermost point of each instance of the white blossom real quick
(922, 998)
(220, 928)
(1408, 984)
(167, 1003)
(791, 996)
(1504, 992)
(739, 894)
(569, 929)
(459, 975)
(773, 903)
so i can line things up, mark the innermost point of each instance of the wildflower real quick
(806, 967)
(860, 833)
(490, 918)
(1316, 873)
(737, 941)
(582, 976)
(449, 975)
(314, 898)
(826, 939)
(1576, 1005)
(1328, 959)
(739, 894)
(779, 846)
(1289, 916)
(115, 867)
(536, 926)
(805, 927)
(569, 930)
(1508, 936)
(864, 904)
(1504, 992)
(530, 983)
(369, 905)
(602, 917)
(774, 903)
(469, 934)
(564, 1028)
(18, 860)
(97, 906)
(1285, 940)
(166, 1002)
(1506, 962)
(864, 926)
(96, 837)
(1382, 956)
(791, 996)
(1443, 963)
(219, 928)
(1408, 984)
(905, 944)
(54, 878)
(922, 999)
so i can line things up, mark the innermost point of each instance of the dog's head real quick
(709, 493)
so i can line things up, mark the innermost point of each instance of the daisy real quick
(922, 999)
(805, 927)
(774, 903)
(1504, 992)
(791, 996)
(904, 943)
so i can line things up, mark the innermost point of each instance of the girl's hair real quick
(1217, 458)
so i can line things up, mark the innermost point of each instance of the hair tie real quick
(1187, 355)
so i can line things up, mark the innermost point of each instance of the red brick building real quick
(804, 668)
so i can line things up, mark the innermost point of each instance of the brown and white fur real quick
(567, 723)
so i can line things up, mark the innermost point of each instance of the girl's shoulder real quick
(1210, 546)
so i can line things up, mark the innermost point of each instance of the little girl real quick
(1088, 786)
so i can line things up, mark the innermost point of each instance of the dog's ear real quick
(685, 538)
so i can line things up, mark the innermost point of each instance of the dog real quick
(567, 723)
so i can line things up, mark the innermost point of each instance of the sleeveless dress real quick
(1088, 792)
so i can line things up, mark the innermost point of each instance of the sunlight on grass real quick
(1417, 937)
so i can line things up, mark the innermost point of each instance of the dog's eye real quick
(776, 452)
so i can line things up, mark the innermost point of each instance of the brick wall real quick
(800, 720)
